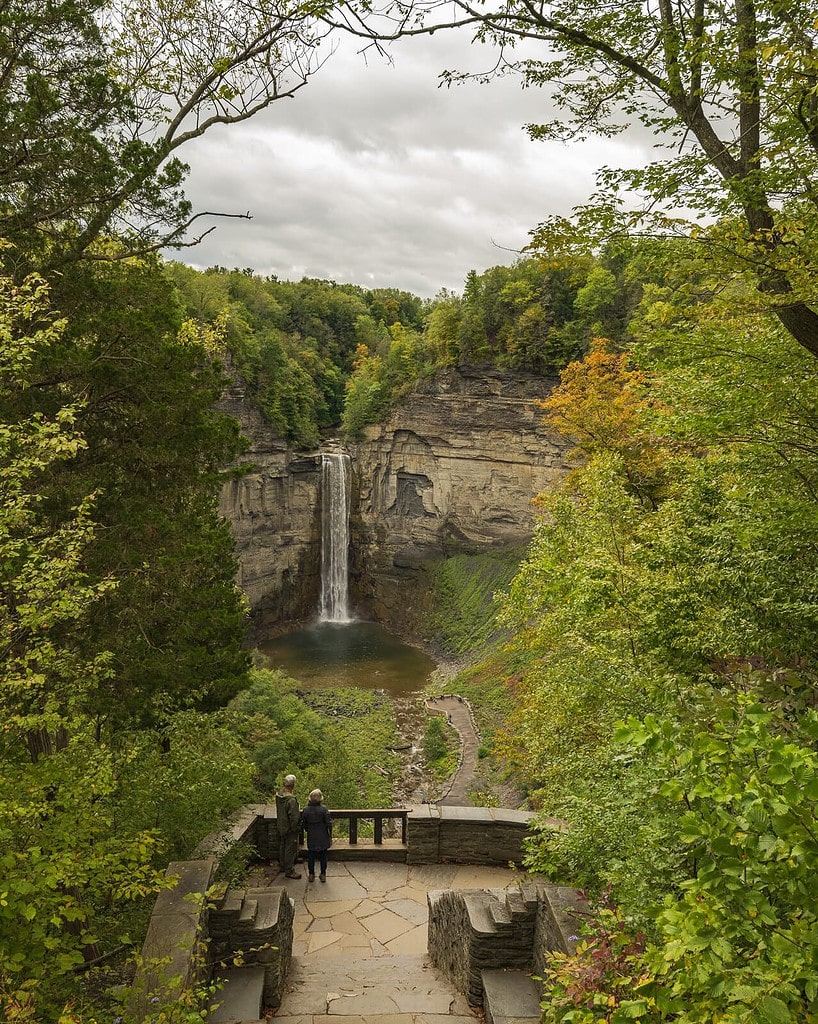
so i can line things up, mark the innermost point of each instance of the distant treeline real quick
(317, 354)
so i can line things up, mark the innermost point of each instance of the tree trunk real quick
(41, 743)
(802, 324)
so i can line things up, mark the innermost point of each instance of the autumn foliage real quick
(605, 405)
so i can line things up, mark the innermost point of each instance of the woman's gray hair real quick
(316, 796)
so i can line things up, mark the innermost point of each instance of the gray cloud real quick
(374, 175)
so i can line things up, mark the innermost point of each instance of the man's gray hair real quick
(289, 780)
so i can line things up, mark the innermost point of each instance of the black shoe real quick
(322, 877)
(310, 878)
(292, 874)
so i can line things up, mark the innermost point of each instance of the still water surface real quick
(359, 654)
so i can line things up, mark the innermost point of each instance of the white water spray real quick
(335, 478)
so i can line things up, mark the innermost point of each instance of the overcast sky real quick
(374, 175)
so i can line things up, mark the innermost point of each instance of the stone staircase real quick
(484, 949)
(398, 989)
(251, 933)
(482, 932)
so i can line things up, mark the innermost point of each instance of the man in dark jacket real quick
(288, 822)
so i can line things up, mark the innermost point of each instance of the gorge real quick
(451, 470)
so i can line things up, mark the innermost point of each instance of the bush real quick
(435, 747)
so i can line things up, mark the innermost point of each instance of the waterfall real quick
(334, 537)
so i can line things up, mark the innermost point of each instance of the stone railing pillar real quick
(423, 835)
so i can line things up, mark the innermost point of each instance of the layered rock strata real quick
(453, 470)
(272, 504)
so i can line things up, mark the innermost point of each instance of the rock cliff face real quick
(453, 470)
(273, 511)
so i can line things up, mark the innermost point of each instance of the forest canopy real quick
(318, 355)
(664, 629)
(727, 90)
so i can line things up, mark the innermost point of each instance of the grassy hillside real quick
(464, 613)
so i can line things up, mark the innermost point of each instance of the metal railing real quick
(377, 816)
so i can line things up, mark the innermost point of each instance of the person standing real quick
(317, 821)
(288, 822)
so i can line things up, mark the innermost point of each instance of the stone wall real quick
(449, 938)
(466, 835)
(561, 911)
(471, 931)
(435, 834)
(174, 950)
(179, 926)
(480, 929)
(258, 924)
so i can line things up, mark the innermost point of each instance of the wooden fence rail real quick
(377, 815)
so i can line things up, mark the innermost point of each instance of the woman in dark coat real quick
(316, 820)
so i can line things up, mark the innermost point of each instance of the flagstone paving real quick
(359, 945)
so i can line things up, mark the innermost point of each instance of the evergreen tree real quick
(472, 336)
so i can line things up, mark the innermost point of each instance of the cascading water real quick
(335, 475)
(339, 650)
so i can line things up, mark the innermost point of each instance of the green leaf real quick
(774, 1010)
(630, 1010)
(779, 774)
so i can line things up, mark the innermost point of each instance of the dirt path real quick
(460, 718)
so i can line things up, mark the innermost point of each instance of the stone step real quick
(510, 997)
(530, 893)
(500, 914)
(394, 1018)
(478, 909)
(516, 906)
(366, 988)
(231, 904)
(248, 911)
(240, 997)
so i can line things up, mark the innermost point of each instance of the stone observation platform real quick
(413, 929)
(425, 916)
(359, 948)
